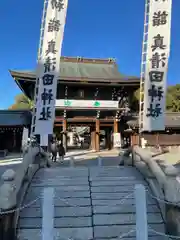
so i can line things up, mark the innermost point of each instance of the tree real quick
(22, 102)
(172, 98)
(135, 100)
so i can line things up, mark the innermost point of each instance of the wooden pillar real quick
(115, 126)
(65, 134)
(157, 139)
(97, 135)
(134, 140)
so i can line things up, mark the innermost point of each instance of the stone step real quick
(59, 212)
(108, 202)
(116, 231)
(61, 194)
(112, 189)
(85, 233)
(51, 182)
(63, 222)
(123, 208)
(58, 202)
(116, 183)
(123, 219)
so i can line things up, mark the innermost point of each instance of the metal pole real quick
(48, 214)
(141, 213)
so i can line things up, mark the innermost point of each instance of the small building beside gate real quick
(12, 124)
(169, 137)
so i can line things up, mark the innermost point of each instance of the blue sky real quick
(94, 28)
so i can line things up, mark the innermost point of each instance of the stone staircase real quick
(89, 203)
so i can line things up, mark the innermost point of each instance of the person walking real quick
(61, 152)
(54, 150)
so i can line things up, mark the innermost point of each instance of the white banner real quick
(49, 66)
(158, 49)
(72, 103)
(117, 140)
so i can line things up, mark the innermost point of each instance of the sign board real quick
(158, 49)
(117, 140)
(49, 67)
(86, 104)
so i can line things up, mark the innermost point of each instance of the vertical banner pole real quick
(48, 70)
(158, 50)
(141, 213)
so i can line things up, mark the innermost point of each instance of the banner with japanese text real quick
(48, 70)
(158, 50)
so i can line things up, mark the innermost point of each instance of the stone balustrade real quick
(15, 186)
(163, 181)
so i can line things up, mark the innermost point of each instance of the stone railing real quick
(163, 182)
(14, 187)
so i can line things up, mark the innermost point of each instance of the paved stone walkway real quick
(88, 204)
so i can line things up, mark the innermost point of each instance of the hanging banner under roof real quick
(49, 67)
(158, 50)
(86, 104)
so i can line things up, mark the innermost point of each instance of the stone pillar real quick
(25, 136)
(65, 134)
(97, 135)
(93, 140)
(8, 204)
(71, 140)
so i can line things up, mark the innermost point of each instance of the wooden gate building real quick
(90, 92)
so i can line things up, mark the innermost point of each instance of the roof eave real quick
(32, 77)
(17, 82)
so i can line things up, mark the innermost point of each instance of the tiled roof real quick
(14, 117)
(93, 69)
(172, 119)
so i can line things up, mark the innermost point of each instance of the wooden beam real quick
(84, 119)
(83, 124)
(106, 124)
(58, 124)
(64, 122)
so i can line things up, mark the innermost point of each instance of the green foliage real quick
(172, 98)
(22, 102)
(136, 95)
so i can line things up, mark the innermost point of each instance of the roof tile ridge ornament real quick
(112, 60)
(79, 59)
(88, 60)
